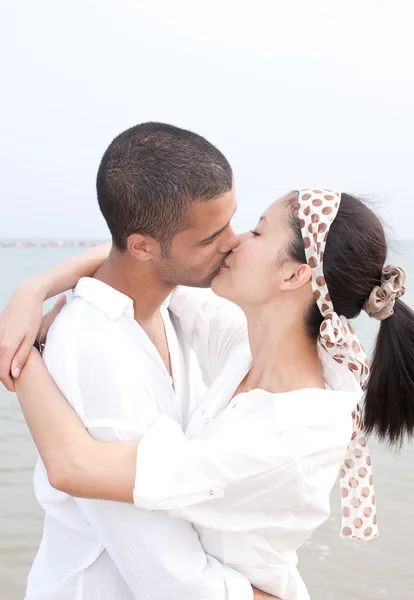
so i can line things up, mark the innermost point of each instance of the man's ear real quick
(143, 247)
(295, 276)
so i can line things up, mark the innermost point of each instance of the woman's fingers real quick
(19, 323)
(22, 354)
(7, 352)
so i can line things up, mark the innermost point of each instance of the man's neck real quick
(137, 280)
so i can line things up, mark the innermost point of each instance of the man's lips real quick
(223, 265)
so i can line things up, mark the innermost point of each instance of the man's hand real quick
(259, 595)
(20, 324)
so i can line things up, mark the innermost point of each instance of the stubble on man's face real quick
(195, 255)
(172, 273)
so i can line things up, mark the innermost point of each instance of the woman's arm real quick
(81, 466)
(66, 275)
(225, 480)
(75, 462)
(20, 320)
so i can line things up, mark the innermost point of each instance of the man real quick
(167, 196)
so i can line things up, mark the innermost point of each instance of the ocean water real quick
(333, 568)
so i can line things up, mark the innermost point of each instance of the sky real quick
(295, 93)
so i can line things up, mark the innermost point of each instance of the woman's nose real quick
(244, 236)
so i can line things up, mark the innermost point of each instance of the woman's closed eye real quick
(254, 232)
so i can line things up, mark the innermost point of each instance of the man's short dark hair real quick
(149, 175)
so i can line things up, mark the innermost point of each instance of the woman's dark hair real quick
(355, 254)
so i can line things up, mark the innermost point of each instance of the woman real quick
(261, 453)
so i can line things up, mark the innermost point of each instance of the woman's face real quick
(255, 271)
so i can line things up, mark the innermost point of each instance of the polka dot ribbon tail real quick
(317, 210)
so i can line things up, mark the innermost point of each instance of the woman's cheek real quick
(249, 270)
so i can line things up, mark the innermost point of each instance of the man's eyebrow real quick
(213, 235)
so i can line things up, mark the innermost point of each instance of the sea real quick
(333, 568)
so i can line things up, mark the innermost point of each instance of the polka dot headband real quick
(317, 211)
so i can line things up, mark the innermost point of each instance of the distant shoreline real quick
(49, 243)
(91, 243)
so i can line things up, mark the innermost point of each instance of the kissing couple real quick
(156, 485)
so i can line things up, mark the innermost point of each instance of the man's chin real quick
(202, 283)
(207, 282)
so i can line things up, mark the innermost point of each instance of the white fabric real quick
(253, 472)
(113, 376)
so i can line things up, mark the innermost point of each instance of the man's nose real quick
(230, 243)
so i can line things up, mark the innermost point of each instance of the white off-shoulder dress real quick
(252, 472)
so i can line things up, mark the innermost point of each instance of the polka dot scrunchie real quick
(317, 211)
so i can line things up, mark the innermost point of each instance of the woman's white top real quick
(252, 472)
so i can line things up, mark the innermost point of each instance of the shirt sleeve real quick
(160, 557)
(251, 469)
(214, 327)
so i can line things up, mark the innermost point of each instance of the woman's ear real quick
(141, 246)
(295, 276)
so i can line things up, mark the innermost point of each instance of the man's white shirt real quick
(113, 376)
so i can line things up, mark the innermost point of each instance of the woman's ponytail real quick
(353, 265)
(389, 400)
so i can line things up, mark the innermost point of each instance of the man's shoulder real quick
(79, 317)
(83, 343)
(82, 332)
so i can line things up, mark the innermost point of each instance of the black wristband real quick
(38, 346)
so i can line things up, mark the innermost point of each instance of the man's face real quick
(197, 253)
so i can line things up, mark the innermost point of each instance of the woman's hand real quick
(22, 317)
(21, 323)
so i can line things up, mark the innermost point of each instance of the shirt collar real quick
(106, 298)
